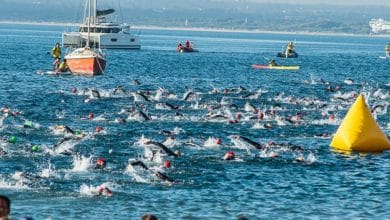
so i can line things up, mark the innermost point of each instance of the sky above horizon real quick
(311, 2)
(314, 2)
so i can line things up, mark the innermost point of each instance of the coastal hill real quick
(323, 16)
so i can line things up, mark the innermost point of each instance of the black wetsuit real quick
(157, 173)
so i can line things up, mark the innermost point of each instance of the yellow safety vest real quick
(56, 52)
(63, 66)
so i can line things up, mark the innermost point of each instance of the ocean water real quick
(258, 184)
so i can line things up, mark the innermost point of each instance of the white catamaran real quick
(104, 33)
(379, 26)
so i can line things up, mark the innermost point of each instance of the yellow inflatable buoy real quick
(359, 131)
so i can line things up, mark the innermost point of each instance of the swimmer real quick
(229, 155)
(104, 191)
(136, 82)
(168, 151)
(187, 95)
(167, 164)
(95, 94)
(64, 128)
(119, 90)
(258, 146)
(139, 95)
(99, 129)
(158, 174)
(2, 151)
(140, 114)
(101, 163)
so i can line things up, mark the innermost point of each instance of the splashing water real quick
(48, 172)
(212, 142)
(134, 173)
(81, 163)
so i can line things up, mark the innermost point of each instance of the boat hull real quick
(86, 66)
(289, 55)
(258, 66)
(186, 50)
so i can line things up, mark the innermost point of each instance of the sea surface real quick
(297, 176)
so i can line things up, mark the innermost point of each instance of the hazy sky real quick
(313, 2)
(337, 2)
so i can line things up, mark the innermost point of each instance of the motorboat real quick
(289, 52)
(186, 48)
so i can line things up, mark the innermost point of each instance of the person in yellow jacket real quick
(290, 48)
(56, 51)
(63, 66)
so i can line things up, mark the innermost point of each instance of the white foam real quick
(6, 184)
(90, 190)
(135, 174)
(142, 141)
(211, 142)
(311, 158)
(48, 172)
(81, 163)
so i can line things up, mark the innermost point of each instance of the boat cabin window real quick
(115, 30)
(100, 30)
(114, 39)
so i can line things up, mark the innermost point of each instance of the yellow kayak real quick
(258, 66)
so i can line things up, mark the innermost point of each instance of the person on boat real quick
(272, 63)
(387, 50)
(56, 51)
(179, 46)
(188, 44)
(63, 66)
(290, 48)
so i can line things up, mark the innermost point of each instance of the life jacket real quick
(56, 51)
(63, 66)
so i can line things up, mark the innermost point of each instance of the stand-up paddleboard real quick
(259, 66)
(52, 73)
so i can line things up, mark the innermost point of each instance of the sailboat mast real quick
(89, 21)
(94, 11)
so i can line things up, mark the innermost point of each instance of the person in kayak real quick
(272, 63)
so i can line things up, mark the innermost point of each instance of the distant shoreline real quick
(222, 30)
